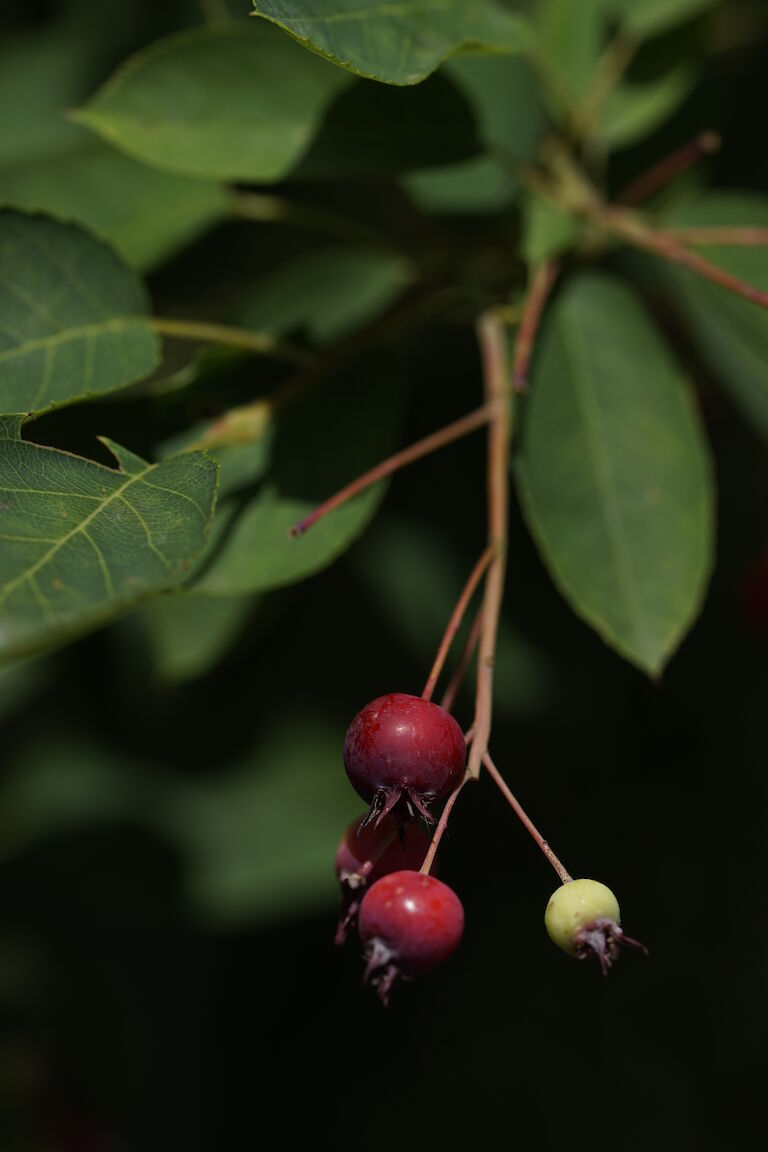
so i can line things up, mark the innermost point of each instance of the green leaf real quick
(327, 293)
(317, 444)
(613, 472)
(730, 334)
(546, 231)
(570, 37)
(504, 94)
(236, 102)
(398, 43)
(146, 215)
(633, 111)
(41, 75)
(188, 636)
(73, 319)
(645, 18)
(81, 542)
(259, 840)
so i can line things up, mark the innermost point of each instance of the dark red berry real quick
(365, 857)
(409, 924)
(401, 747)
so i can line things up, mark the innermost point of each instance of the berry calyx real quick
(583, 919)
(364, 857)
(403, 753)
(409, 923)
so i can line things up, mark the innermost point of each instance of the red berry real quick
(401, 747)
(409, 924)
(363, 857)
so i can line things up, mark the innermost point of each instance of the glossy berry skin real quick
(402, 748)
(583, 919)
(364, 857)
(409, 924)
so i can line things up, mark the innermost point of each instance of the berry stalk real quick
(466, 655)
(456, 618)
(442, 824)
(520, 812)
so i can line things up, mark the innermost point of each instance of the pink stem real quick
(650, 182)
(423, 447)
(466, 655)
(456, 618)
(501, 783)
(541, 286)
(493, 345)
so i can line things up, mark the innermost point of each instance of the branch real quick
(650, 182)
(493, 346)
(636, 232)
(542, 283)
(429, 444)
(720, 237)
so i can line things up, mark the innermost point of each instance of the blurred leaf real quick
(376, 128)
(260, 839)
(570, 37)
(144, 214)
(546, 231)
(644, 18)
(476, 186)
(73, 319)
(318, 443)
(81, 542)
(189, 635)
(730, 334)
(236, 102)
(504, 95)
(633, 111)
(398, 44)
(240, 465)
(56, 785)
(327, 292)
(614, 473)
(41, 76)
(257, 838)
(20, 682)
(416, 577)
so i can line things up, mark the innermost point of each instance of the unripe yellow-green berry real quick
(575, 908)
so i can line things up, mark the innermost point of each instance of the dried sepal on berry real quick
(583, 919)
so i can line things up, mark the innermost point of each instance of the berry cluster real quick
(404, 755)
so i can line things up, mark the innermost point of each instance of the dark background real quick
(126, 1025)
